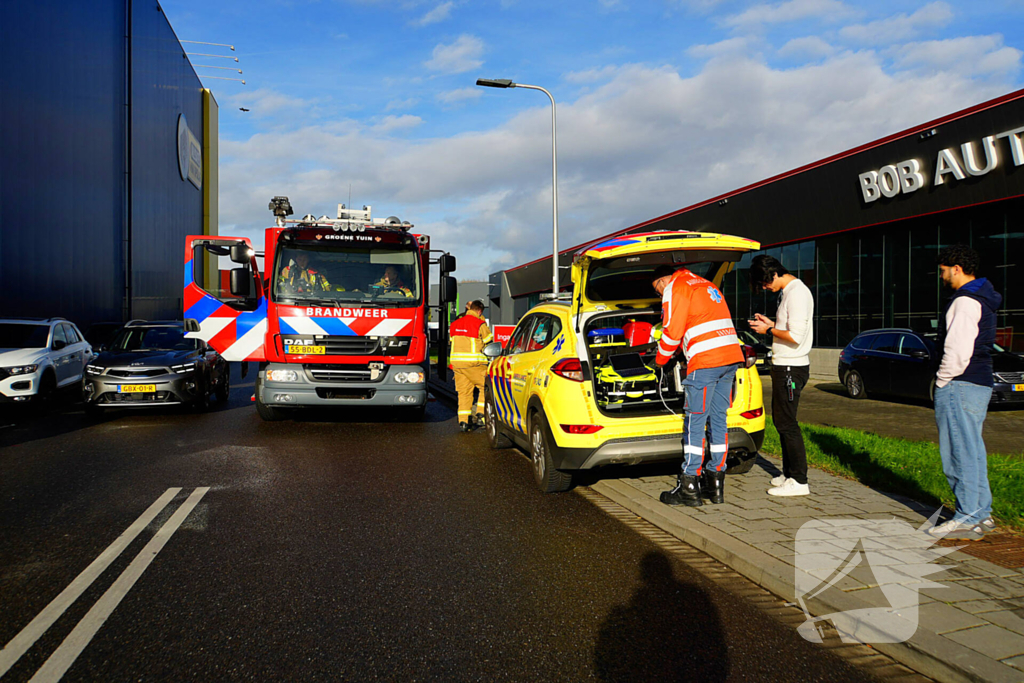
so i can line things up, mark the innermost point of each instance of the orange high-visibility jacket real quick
(694, 314)
(468, 334)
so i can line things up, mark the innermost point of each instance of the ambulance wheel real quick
(268, 413)
(855, 385)
(547, 477)
(494, 435)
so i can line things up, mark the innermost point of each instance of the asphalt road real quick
(343, 546)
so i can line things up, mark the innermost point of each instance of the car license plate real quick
(136, 388)
(307, 350)
(1018, 387)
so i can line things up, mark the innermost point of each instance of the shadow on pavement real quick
(669, 631)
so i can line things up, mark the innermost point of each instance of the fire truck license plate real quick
(308, 350)
(136, 388)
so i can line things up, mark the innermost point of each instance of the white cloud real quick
(458, 96)
(401, 104)
(723, 48)
(811, 47)
(899, 27)
(792, 10)
(393, 123)
(438, 14)
(264, 102)
(591, 75)
(644, 142)
(462, 55)
(983, 56)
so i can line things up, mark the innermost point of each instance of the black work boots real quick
(464, 426)
(712, 486)
(686, 492)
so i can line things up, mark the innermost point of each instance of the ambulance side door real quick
(509, 378)
(538, 351)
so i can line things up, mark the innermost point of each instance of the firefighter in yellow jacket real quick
(468, 335)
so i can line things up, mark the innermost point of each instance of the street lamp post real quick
(506, 83)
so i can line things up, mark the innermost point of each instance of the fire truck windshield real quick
(314, 274)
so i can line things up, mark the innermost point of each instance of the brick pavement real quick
(970, 620)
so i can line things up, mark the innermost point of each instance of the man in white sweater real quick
(792, 337)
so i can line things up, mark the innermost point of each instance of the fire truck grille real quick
(341, 373)
(350, 346)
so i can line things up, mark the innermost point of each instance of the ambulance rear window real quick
(623, 281)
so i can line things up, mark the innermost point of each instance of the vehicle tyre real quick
(855, 385)
(223, 389)
(268, 413)
(47, 391)
(547, 477)
(495, 437)
(201, 403)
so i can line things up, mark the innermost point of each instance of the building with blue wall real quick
(94, 204)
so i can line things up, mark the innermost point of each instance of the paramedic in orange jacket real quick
(468, 335)
(696, 323)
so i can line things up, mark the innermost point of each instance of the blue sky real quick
(661, 103)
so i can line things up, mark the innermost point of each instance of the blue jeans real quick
(708, 397)
(960, 409)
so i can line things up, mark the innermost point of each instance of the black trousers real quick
(794, 457)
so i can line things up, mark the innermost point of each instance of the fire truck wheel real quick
(267, 413)
(494, 435)
(416, 413)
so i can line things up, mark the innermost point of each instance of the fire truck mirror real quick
(241, 253)
(240, 282)
(191, 325)
(447, 263)
(449, 289)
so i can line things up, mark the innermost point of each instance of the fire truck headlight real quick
(282, 376)
(409, 378)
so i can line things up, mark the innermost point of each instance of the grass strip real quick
(909, 468)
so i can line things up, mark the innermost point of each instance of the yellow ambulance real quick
(576, 386)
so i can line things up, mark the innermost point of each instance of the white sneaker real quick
(779, 480)
(957, 530)
(988, 524)
(790, 488)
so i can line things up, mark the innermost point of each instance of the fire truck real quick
(337, 315)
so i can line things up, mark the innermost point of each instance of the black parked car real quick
(763, 351)
(902, 362)
(154, 364)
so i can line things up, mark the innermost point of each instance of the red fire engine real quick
(338, 316)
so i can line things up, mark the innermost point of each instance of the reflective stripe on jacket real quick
(469, 334)
(695, 315)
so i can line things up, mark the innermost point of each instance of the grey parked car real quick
(155, 364)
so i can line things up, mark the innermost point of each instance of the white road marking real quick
(65, 655)
(38, 626)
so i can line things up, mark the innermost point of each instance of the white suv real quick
(39, 356)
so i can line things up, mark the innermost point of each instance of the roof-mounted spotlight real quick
(281, 207)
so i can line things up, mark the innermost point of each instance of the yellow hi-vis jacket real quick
(468, 334)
